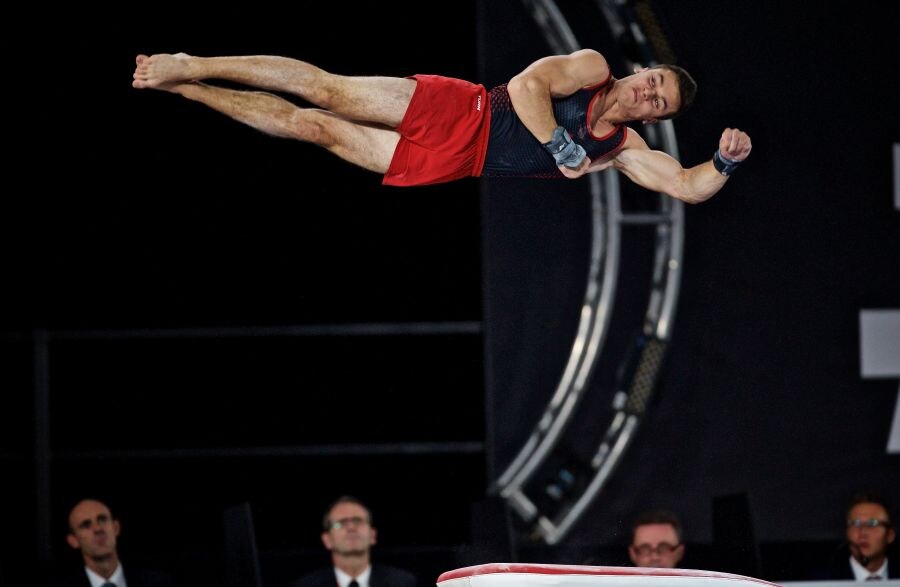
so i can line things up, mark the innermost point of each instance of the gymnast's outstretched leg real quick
(381, 100)
(368, 146)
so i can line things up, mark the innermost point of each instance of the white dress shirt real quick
(861, 573)
(117, 578)
(344, 579)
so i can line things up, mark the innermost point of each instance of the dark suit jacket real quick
(136, 577)
(382, 576)
(840, 570)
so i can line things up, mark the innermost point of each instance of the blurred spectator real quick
(349, 535)
(95, 532)
(656, 540)
(868, 533)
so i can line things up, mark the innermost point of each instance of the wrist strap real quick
(723, 165)
(565, 151)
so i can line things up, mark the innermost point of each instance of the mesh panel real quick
(645, 377)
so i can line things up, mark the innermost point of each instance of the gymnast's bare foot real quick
(161, 70)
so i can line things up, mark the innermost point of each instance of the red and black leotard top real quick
(512, 150)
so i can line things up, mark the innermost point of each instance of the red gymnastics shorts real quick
(444, 133)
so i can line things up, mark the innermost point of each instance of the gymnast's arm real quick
(660, 172)
(557, 76)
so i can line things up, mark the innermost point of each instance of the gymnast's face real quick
(650, 94)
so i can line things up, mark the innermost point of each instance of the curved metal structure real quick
(572, 489)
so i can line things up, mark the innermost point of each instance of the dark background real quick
(137, 210)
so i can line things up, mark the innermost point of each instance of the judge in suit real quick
(869, 533)
(94, 532)
(349, 535)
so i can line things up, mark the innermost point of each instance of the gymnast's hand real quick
(578, 171)
(734, 144)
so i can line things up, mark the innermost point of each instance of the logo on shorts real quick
(478, 104)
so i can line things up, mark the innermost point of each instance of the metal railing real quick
(573, 489)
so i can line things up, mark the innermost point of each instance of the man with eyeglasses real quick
(348, 533)
(656, 540)
(868, 534)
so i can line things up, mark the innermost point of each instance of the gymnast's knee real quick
(313, 125)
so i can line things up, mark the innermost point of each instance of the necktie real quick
(873, 578)
(353, 583)
(109, 584)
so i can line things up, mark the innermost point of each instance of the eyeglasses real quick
(354, 521)
(663, 548)
(871, 523)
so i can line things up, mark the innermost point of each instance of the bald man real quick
(94, 532)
